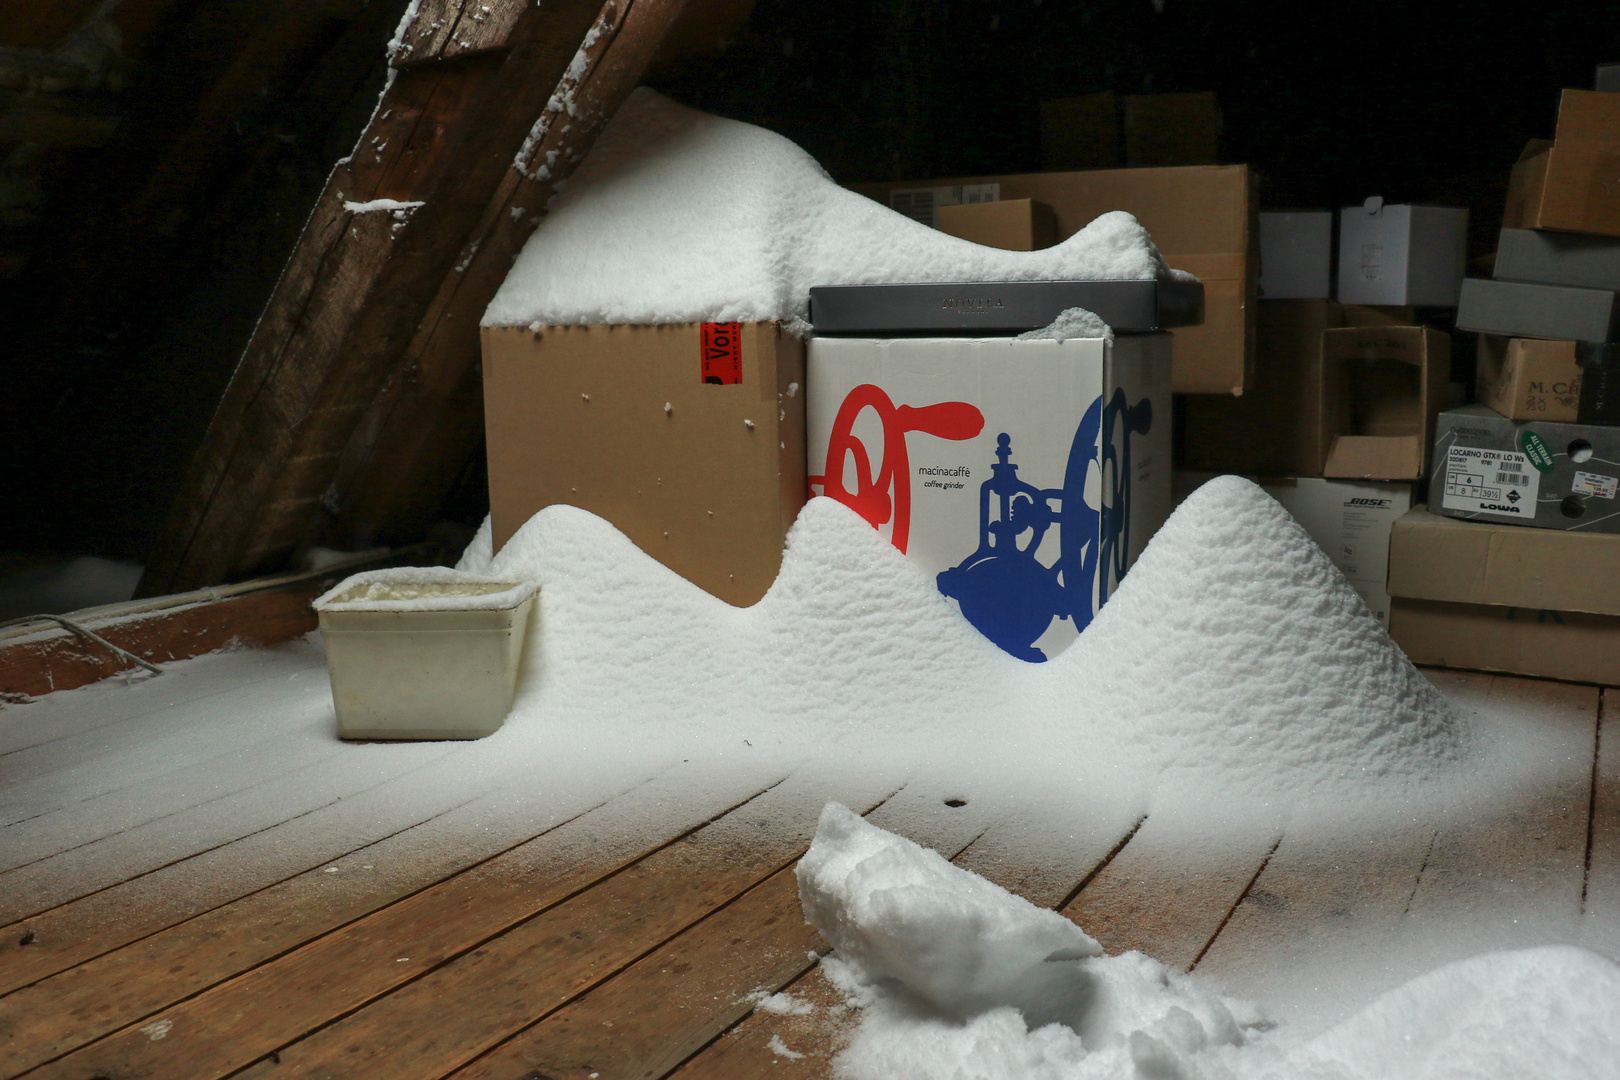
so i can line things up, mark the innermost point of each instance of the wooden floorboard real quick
(492, 939)
(648, 1019)
(127, 986)
(513, 936)
(1169, 891)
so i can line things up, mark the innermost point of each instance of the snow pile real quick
(1234, 632)
(1075, 322)
(902, 921)
(423, 588)
(678, 216)
(898, 911)
(1233, 658)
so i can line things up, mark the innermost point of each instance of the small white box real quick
(1024, 476)
(423, 652)
(1401, 255)
(1296, 255)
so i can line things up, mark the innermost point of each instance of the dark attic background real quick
(160, 156)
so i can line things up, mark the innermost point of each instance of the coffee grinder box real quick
(1024, 477)
(1552, 476)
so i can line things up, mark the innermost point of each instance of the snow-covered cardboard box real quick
(689, 437)
(1401, 254)
(1024, 475)
(1200, 216)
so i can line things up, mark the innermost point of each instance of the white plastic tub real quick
(423, 652)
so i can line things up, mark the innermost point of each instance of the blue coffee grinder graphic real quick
(1002, 588)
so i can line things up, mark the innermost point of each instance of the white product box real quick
(1401, 255)
(1350, 520)
(1296, 255)
(1026, 476)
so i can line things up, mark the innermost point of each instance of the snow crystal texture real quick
(423, 588)
(678, 216)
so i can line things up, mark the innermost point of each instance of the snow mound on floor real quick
(1234, 660)
(679, 216)
(900, 943)
(899, 911)
(1235, 644)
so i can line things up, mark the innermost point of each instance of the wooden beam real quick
(38, 661)
(418, 433)
(354, 292)
(64, 120)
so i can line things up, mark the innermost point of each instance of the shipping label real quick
(1499, 482)
(722, 353)
(1595, 485)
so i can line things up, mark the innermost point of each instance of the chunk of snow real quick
(898, 911)
(780, 1049)
(677, 216)
(1075, 322)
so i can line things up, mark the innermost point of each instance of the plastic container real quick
(423, 653)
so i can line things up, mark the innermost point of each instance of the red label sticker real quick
(722, 353)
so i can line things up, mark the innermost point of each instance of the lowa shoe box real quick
(1552, 476)
(1023, 476)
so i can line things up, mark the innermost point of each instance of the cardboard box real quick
(1527, 379)
(1558, 188)
(1014, 224)
(1588, 262)
(1080, 132)
(1273, 429)
(1527, 309)
(689, 438)
(1350, 520)
(1296, 255)
(1571, 646)
(1172, 129)
(1481, 562)
(1024, 477)
(1552, 476)
(1277, 429)
(1401, 254)
(1588, 121)
(1382, 387)
(924, 203)
(1201, 217)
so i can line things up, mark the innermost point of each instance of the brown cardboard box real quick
(1432, 557)
(1382, 387)
(1172, 129)
(1273, 429)
(1572, 646)
(1202, 217)
(1588, 121)
(1557, 188)
(629, 423)
(1276, 429)
(1014, 224)
(1080, 132)
(1528, 378)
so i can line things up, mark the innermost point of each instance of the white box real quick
(1350, 520)
(1025, 476)
(1401, 255)
(1296, 255)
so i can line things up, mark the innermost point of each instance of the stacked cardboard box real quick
(1498, 598)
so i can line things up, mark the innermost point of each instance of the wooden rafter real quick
(365, 275)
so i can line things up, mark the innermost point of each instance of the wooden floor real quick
(632, 937)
